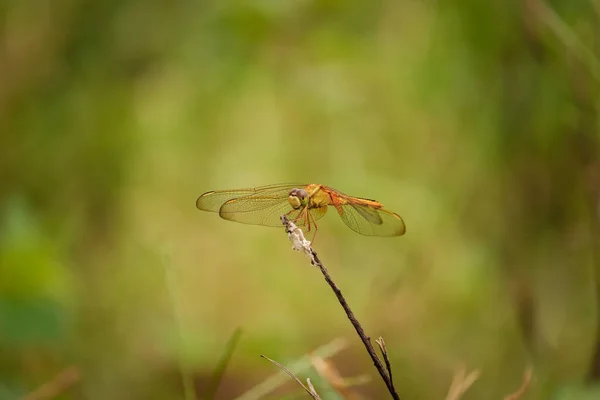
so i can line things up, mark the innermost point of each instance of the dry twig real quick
(310, 389)
(381, 343)
(301, 244)
(270, 384)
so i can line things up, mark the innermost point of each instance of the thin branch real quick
(311, 391)
(222, 364)
(381, 343)
(61, 382)
(301, 244)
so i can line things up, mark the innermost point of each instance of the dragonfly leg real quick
(305, 217)
(315, 225)
(297, 218)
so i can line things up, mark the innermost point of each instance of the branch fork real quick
(299, 243)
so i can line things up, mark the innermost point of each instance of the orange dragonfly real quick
(304, 205)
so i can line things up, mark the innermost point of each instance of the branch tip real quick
(310, 390)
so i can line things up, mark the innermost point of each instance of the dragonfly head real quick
(298, 198)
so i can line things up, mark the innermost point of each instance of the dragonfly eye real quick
(298, 198)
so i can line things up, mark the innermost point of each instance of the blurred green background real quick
(475, 121)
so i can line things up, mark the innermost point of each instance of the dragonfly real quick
(303, 204)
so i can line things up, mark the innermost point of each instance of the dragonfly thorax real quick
(298, 198)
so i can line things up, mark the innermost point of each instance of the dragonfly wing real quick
(371, 221)
(213, 200)
(369, 213)
(318, 213)
(262, 208)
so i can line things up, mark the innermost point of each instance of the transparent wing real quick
(371, 221)
(265, 208)
(260, 209)
(213, 200)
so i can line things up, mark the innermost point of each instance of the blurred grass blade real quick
(520, 392)
(303, 364)
(222, 364)
(332, 377)
(187, 380)
(61, 382)
(461, 382)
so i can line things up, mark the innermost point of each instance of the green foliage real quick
(476, 122)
